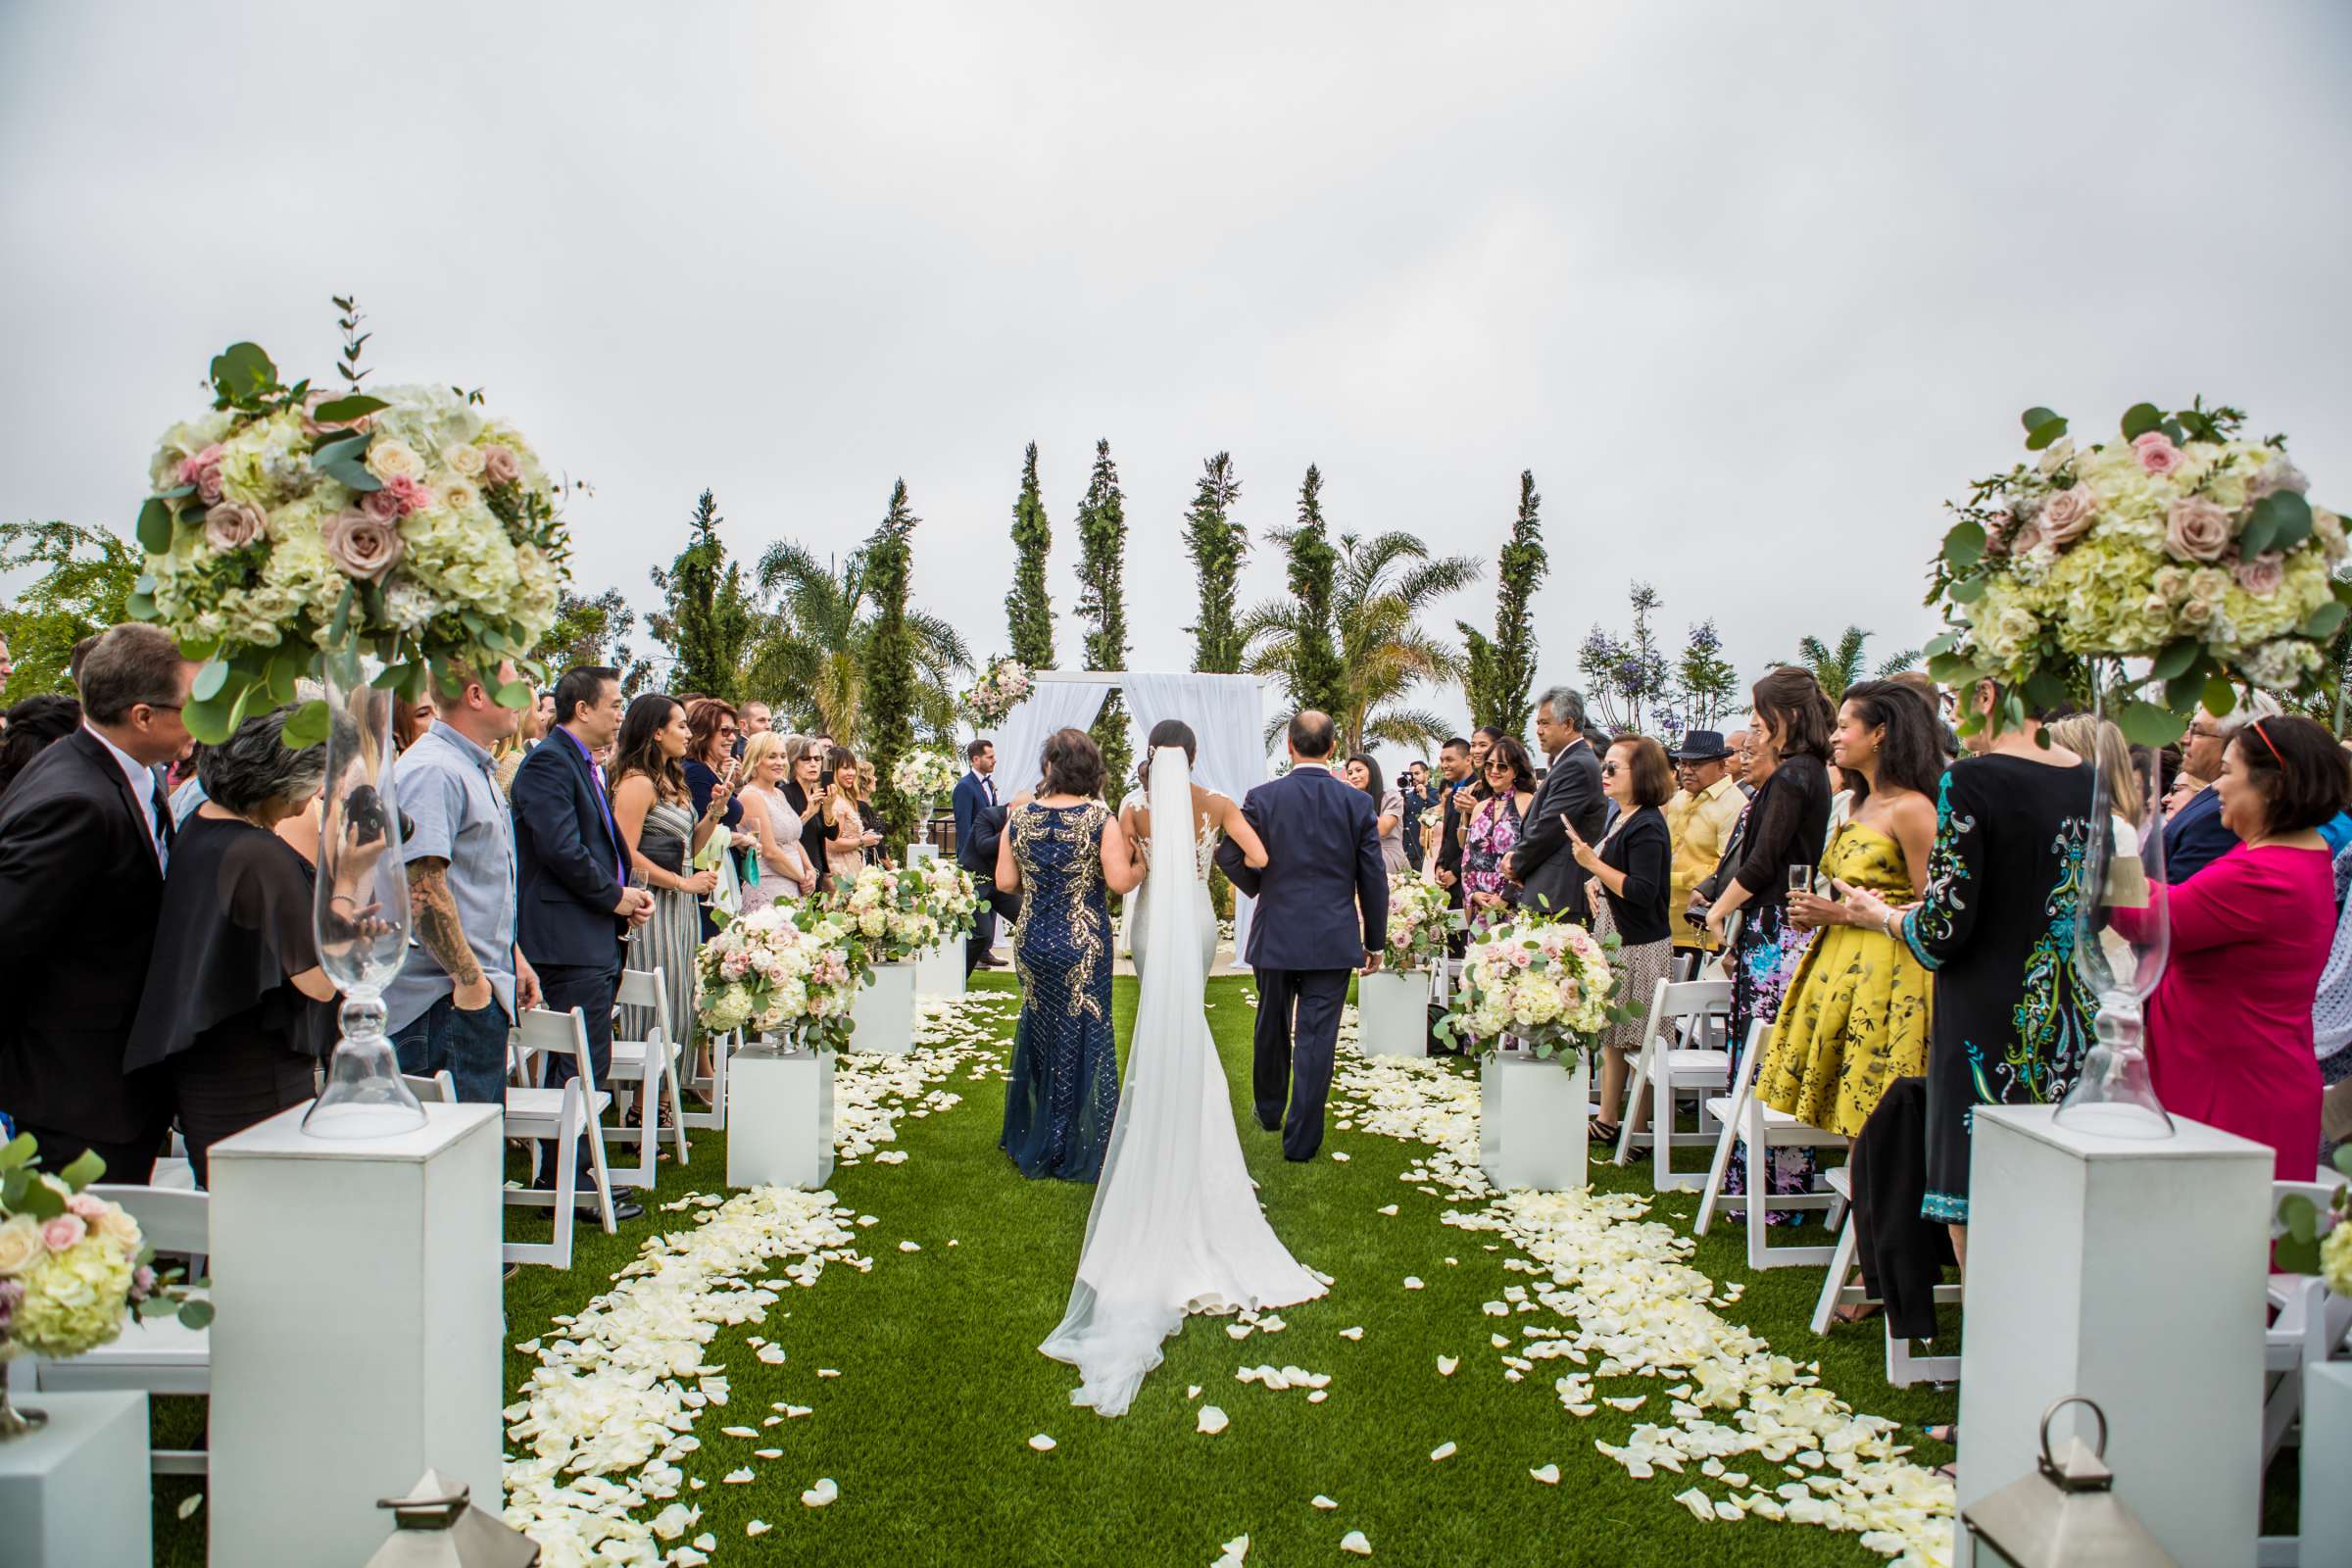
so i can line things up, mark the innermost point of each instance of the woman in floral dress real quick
(1486, 894)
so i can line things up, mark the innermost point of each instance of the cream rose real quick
(388, 459)
(462, 458)
(2068, 515)
(459, 496)
(232, 526)
(20, 1244)
(2196, 530)
(360, 546)
(117, 1226)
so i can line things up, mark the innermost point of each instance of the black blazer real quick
(1450, 837)
(976, 853)
(1643, 850)
(79, 893)
(1323, 895)
(566, 860)
(1542, 862)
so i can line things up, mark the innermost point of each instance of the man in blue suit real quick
(2196, 836)
(573, 903)
(975, 792)
(1322, 913)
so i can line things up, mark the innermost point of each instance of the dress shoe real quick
(990, 962)
(623, 1208)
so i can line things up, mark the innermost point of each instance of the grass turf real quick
(941, 1386)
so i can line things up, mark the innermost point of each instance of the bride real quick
(1175, 1228)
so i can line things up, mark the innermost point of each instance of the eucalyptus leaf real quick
(2325, 621)
(242, 372)
(343, 410)
(2139, 419)
(1951, 669)
(196, 1313)
(19, 1151)
(2144, 723)
(209, 679)
(2287, 516)
(1964, 545)
(2035, 418)
(1942, 643)
(207, 719)
(2046, 690)
(1968, 590)
(308, 724)
(158, 1307)
(2300, 1215)
(39, 1200)
(85, 1168)
(2343, 1159)
(2043, 435)
(154, 527)
(2296, 1257)
(515, 694)
(2260, 531)
(13, 1188)
(2176, 659)
(341, 623)
(2219, 696)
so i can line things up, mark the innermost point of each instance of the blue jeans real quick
(470, 1045)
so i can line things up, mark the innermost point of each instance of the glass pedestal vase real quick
(15, 1420)
(361, 912)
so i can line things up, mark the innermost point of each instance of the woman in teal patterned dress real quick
(1064, 853)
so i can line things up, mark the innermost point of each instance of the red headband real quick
(2256, 727)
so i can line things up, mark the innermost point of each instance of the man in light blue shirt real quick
(465, 980)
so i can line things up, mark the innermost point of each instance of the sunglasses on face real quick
(1610, 771)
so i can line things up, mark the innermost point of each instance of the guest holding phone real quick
(851, 839)
(807, 791)
(711, 728)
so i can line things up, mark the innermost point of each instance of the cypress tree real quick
(1102, 600)
(1029, 608)
(891, 694)
(1217, 545)
(706, 618)
(1318, 677)
(1502, 671)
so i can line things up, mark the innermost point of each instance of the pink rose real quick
(499, 466)
(2157, 454)
(2263, 575)
(2067, 517)
(360, 546)
(142, 1280)
(382, 505)
(1997, 529)
(63, 1232)
(407, 494)
(2026, 537)
(232, 526)
(89, 1208)
(203, 471)
(2198, 529)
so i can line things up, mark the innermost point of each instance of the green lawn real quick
(941, 1386)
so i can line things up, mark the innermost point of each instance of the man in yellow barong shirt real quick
(1701, 817)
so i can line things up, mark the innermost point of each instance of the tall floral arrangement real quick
(1002, 687)
(285, 520)
(73, 1265)
(890, 911)
(1544, 982)
(951, 896)
(924, 775)
(1419, 923)
(789, 971)
(2179, 541)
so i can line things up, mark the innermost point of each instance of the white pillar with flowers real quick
(1541, 990)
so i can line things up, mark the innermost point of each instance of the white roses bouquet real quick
(1544, 982)
(1419, 923)
(73, 1265)
(998, 692)
(951, 895)
(2181, 543)
(286, 520)
(889, 910)
(924, 775)
(786, 970)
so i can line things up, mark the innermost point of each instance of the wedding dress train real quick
(1175, 1227)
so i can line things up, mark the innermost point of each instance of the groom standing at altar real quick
(1322, 913)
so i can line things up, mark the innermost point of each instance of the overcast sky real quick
(1752, 289)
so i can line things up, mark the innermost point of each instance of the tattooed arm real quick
(440, 932)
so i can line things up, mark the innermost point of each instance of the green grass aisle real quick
(926, 1429)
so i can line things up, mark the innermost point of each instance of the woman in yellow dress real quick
(1855, 1016)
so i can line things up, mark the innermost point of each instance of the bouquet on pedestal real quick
(889, 910)
(1419, 923)
(924, 776)
(1000, 688)
(786, 970)
(1544, 982)
(951, 896)
(2181, 543)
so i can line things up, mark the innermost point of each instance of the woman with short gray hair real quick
(232, 1016)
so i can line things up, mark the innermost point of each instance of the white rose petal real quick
(1212, 1420)
(827, 1372)
(1193, 1392)
(767, 1454)
(740, 1432)
(772, 1354)
(1701, 1506)
(1318, 1397)
(1323, 1503)
(1353, 1541)
(707, 1541)
(823, 1493)
(1043, 1444)
(738, 1478)
(757, 1527)
(910, 1246)
(1338, 1156)
(1412, 1282)
(1444, 1450)
(1548, 1474)
(1356, 1333)
(1446, 1364)
(191, 1504)
(1238, 1331)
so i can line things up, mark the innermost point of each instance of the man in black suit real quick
(1322, 912)
(84, 837)
(573, 903)
(975, 792)
(1548, 877)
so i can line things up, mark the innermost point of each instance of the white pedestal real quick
(2132, 1272)
(1531, 1121)
(780, 1132)
(2326, 1525)
(74, 1494)
(882, 1014)
(359, 1329)
(1392, 1013)
(939, 971)
(917, 853)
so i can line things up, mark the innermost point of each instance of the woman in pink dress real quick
(2229, 1026)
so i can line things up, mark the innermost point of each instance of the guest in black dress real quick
(234, 1007)
(805, 793)
(712, 727)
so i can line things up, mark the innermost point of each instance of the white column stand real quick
(917, 853)
(2326, 1509)
(1531, 1120)
(1392, 1013)
(76, 1493)
(782, 1131)
(939, 971)
(882, 1014)
(360, 1331)
(2131, 1271)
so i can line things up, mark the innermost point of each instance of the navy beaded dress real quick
(1064, 1088)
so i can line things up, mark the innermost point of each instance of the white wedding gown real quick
(1175, 1227)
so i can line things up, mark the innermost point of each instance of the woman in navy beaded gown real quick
(1063, 852)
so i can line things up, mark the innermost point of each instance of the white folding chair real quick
(155, 1354)
(1691, 1012)
(174, 1169)
(563, 1117)
(439, 1088)
(1903, 1366)
(1744, 1117)
(652, 1065)
(712, 1085)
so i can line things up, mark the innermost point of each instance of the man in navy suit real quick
(1322, 912)
(2196, 836)
(573, 903)
(975, 792)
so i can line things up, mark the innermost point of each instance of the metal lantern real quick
(2067, 1514)
(437, 1526)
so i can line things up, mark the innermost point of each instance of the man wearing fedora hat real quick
(1700, 818)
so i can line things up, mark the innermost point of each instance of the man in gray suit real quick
(1549, 876)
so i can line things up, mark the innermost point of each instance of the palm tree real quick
(1381, 588)
(820, 622)
(1840, 667)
